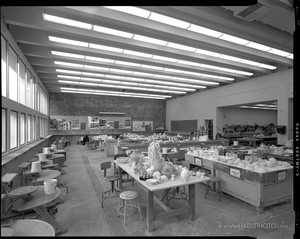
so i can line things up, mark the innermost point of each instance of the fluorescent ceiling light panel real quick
(84, 92)
(181, 47)
(65, 21)
(96, 68)
(231, 58)
(188, 63)
(131, 10)
(218, 77)
(169, 20)
(163, 76)
(115, 77)
(267, 66)
(91, 58)
(69, 77)
(210, 67)
(88, 83)
(58, 53)
(279, 52)
(291, 56)
(204, 31)
(173, 70)
(68, 41)
(142, 73)
(253, 63)
(234, 39)
(163, 58)
(90, 79)
(149, 40)
(68, 82)
(258, 46)
(208, 53)
(68, 91)
(136, 53)
(112, 32)
(105, 48)
(120, 71)
(66, 88)
(67, 64)
(236, 71)
(70, 72)
(127, 63)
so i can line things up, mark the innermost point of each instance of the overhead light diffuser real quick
(105, 48)
(68, 41)
(208, 53)
(96, 68)
(279, 52)
(234, 39)
(67, 64)
(67, 71)
(188, 63)
(58, 53)
(181, 47)
(65, 21)
(127, 63)
(163, 58)
(69, 77)
(152, 67)
(258, 46)
(136, 53)
(112, 32)
(204, 31)
(149, 40)
(91, 58)
(169, 20)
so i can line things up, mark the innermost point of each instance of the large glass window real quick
(13, 74)
(33, 128)
(13, 129)
(3, 66)
(4, 126)
(34, 93)
(28, 88)
(22, 82)
(22, 129)
(29, 137)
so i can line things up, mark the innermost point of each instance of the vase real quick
(134, 156)
(185, 174)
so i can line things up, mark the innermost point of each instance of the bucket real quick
(46, 150)
(36, 167)
(49, 186)
(165, 150)
(53, 146)
(42, 157)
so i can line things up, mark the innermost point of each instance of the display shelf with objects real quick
(260, 183)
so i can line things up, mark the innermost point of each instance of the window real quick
(3, 66)
(4, 126)
(28, 88)
(22, 82)
(34, 93)
(29, 128)
(33, 128)
(13, 129)
(38, 89)
(13, 74)
(22, 129)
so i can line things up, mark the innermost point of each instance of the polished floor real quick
(82, 215)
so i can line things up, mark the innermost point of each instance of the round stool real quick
(127, 196)
(214, 181)
(113, 192)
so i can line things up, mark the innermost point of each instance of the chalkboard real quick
(183, 125)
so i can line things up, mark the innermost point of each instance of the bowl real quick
(152, 181)
(122, 159)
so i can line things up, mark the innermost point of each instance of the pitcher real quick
(49, 186)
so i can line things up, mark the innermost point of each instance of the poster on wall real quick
(110, 124)
(53, 124)
(142, 125)
(75, 124)
(127, 123)
(102, 123)
(93, 122)
(83, 125)
(62, 124)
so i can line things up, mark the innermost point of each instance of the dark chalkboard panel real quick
(183, 125)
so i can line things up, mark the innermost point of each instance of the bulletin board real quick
(142, 125)
(89, 122)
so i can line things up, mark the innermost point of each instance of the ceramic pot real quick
(134, 156)
(185, 174)
(49, 186)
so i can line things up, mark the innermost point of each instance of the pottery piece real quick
(185, 174)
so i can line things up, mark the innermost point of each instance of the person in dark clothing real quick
(85, 139)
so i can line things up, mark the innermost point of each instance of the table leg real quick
(120, 175)
(191, 202)
(48, 218)
(150, 213)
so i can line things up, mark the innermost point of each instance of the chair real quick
(123, 180)
(113, 192)
(213, 181)
(128, 196)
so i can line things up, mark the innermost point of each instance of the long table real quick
(166, 187)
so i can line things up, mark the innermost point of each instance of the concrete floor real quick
(82, 215)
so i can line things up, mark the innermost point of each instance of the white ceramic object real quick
(152, 181)
(36, 167)
(42, 157)
(235, 143)
(202, 175)
(165, 150)
(53, 146)
(122, 159)
(49, 186)
(185, 174)
(46, 150)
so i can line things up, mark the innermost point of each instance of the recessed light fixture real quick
(112, 31)
(131, 10)
(168, 20)
(68, 41)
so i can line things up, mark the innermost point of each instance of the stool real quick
(113, 192)
(214, 181)
(127, 196)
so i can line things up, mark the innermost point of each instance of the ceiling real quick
(182, 59)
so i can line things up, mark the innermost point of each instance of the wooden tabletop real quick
(32, 227)
(38, 198)
(21, 191)
(47, 174)
(161, 186)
